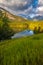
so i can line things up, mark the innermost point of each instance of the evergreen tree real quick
(5, 31)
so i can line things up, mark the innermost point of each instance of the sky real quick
(27, 7)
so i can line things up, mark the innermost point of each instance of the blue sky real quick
(35, 3)
(27, 7)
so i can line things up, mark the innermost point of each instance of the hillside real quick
(18, 23)
(23, 51)
(10, 15)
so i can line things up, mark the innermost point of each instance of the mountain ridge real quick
(10, 15)
(35, 17)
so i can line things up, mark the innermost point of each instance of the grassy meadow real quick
(22, 51)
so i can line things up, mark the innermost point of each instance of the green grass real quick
(22, 51)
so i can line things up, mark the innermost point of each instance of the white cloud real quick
(23, 6)
(14, 2)
(40, 8)
(40, 2)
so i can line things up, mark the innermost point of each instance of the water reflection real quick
(23, 33)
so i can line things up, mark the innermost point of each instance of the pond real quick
(23, 33)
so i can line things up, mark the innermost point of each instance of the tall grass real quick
(23, 51)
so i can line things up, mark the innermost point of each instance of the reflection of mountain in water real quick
(23, 33)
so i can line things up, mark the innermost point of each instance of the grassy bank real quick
(23, 51)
